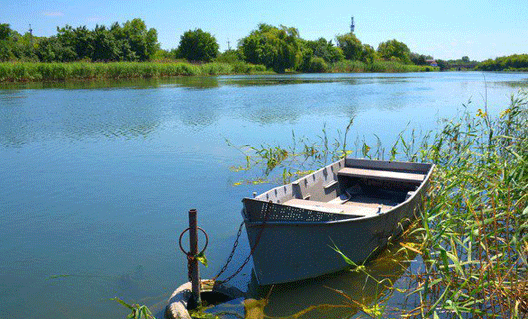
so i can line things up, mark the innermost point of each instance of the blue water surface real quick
(96, 178)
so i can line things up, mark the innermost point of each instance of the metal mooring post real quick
(194, 272)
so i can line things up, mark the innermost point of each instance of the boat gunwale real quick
(344, 220)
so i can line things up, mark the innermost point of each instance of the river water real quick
(96, 178)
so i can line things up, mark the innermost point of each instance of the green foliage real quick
(130, 42)
(18, 72)
(247, 68)
(419, 59)
(230, 56)
(380, 66)
(215, 68)
(325, 49)
(394, 50)
(142, 42)
(276, 48)
(348, 66)
(472, 235)
(505, 63)
(5, 31)
(267, 47)
(6, 42)
(369, 55)
(162, 55)
(317, 65)
(316, 55)
(137, 311)
(351, 46)
(198, 45)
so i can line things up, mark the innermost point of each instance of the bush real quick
(317, 65)
(198, 45)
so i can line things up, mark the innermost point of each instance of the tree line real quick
(278, 48)
(131, 41)
(281, 48)
(515, 62)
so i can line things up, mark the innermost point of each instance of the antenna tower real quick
(352, 25)
(30, 35)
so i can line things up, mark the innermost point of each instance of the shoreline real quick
(20, 72)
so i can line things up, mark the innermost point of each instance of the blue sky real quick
(445, 29)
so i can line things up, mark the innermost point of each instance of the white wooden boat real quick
(355, 205)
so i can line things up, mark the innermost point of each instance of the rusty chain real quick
(268, 208)
(235, 245)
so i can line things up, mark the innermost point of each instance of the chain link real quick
(235, 245)
(268, 208)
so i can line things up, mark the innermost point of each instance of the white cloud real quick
(95, 19)
(52, 14)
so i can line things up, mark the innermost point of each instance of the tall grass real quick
(28, 71)
(347, 66)
(474, 230)
(472, 237)
(37, 71)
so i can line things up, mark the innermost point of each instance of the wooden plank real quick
(380, 174)
(388, 165)
(330, 185)
(333, 208)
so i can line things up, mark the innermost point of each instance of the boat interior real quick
(354, 187)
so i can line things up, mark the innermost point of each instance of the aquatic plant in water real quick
(473, 234)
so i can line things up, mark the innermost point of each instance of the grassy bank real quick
(23, 72)
(347, 66)
(29, 71)
(472, 239)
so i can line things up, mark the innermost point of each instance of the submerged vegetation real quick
(472, 238)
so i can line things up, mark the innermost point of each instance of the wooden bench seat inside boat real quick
(381, 175)
(359, 209)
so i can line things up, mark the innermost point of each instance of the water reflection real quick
(339, 295)
(34, 115)
(137, 108)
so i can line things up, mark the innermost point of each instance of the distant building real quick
(431, 62)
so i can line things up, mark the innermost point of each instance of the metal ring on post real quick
(206, 241)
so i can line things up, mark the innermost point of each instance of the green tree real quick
(230, 56)
(198, 45)
(276, 48)
(106, 47)
(369, 54)
(351, 46)
(325, 49)
(6, 43)
(316, 54)
(62, 46)
(52, 49)
(394, 49)
(143, 42)
(419, 59)
(465, 59)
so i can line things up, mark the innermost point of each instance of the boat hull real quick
(291, 250)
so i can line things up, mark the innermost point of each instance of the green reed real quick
(29, 71)
(347, 66)
(472, 236)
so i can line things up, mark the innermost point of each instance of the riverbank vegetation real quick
(516, 62)
(472, 237)
(281, 49)
(34, 71)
